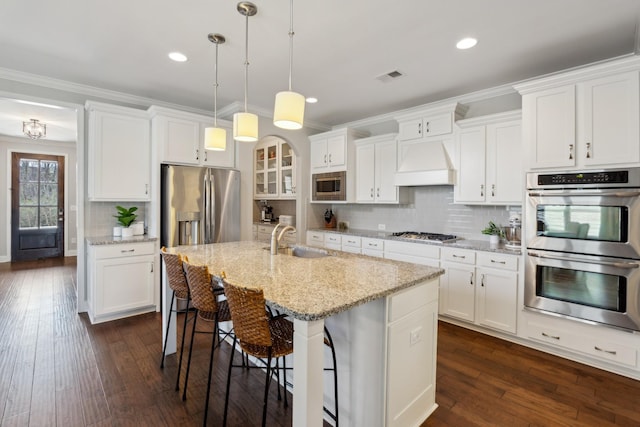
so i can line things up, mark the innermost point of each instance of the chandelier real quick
(34, 129)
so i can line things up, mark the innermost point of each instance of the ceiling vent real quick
(391, 75)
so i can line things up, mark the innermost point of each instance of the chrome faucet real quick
(275, 241)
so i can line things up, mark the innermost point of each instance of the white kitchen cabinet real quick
(263, 233)
(351, 244)
(274, 169)
(121, 280)
(179, 138)
(376, 165)
(586, 119)
(328, 153)
(119, 153)
(333, 241)
(315, 238)
(489, 155)
(480, 287)
(428, 123)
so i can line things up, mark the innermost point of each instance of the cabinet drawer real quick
(551, 335)
(409, 300)
(495, 260)
(123, 250)
(415, 249)
(462, 256)
(610, 351)
(315, 238)
(332, 239)
(265, 229)
(351, 241)
(372, 244)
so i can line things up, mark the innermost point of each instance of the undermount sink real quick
(303, 252)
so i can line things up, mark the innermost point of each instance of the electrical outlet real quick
(382, 227)
(415, 336)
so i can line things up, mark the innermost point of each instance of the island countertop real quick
(308, 288)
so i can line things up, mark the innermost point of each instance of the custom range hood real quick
(425, 163)
(425, 145)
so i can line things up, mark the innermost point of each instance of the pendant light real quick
(288, 112)
(215, 138)
(245, 125)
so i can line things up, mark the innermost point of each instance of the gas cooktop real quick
(433, 237)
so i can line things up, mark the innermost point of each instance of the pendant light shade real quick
(288, 112)
(215, 138)
(245, 125)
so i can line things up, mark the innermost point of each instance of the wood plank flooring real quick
(56, 369)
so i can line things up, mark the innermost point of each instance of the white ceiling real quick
(340, 47)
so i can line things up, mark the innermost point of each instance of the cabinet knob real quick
(493, 190)
(482, 280)
(481, 190)
(329, 157)
(377, 192)
(197, 154)
(419, 128)
(371, 193)
(427, 128)
(588, 150)
(471, 279)
(570, 151)
(205, 156)
(612, 352)
(325, 159)
(555, 337)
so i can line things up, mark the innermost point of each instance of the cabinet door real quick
(496, 299)
(457, 291)
(318, 153)
(471, 165)
(365, 173)
(119, 155)
(611, 120)
(287, 181)
(222, 159)
(266, 171)
(337, 152)
(123, 284)
(549, 127)
(505, 171)
(440, 124)
(385, 169)
(181, 139)
(410, 129)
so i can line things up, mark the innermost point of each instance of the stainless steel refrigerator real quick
(199, 205)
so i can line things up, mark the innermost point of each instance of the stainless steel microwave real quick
(330, 186)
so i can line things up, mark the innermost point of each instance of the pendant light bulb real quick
(245, 124)
(288, 112)
(215, 138)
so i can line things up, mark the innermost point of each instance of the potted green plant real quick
(125, 218)
(495, 233)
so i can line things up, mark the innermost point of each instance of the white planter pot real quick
(127, 232)
(494, 239)
(117, 231)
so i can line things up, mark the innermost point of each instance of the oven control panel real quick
(621, 178)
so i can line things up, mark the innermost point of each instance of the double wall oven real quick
(583, 246)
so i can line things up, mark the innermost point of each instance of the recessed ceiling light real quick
(178, 57)
(466, 43)
(311, 100)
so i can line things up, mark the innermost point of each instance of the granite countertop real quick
(477, 245)
(308, 288)
(112, 240)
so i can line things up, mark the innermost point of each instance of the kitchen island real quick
(386, 312)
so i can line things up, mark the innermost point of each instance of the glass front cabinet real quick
(274, 169)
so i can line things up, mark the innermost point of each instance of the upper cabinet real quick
(583, 119)
(376, 164)
(179, 138)
(489, 160)
(274, 167)
(432, 122)
(332, 151)
(119, 153)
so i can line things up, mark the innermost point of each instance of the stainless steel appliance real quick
(583, 245)
(330, 186)
(199, 205)
(432, 237)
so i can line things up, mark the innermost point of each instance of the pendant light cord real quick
(215, 93)
(246, 62)
(291, 33)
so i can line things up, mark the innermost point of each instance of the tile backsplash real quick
(100, 220)
(432, 210)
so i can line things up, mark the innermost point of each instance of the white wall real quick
(9, 145)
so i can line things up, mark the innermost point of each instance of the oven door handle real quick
(614, 193)
(627, 265)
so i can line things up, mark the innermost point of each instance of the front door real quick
(37, 206)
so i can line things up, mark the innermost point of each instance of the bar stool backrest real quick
(249, 316)
(199, 281)
(175, 274)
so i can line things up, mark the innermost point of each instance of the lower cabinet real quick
(121, 280)
(262, 233)
(416, 253)
(480, 287)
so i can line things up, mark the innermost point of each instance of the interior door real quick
(37, 206)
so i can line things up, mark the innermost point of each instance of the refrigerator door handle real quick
(205, 208)
(212, 208)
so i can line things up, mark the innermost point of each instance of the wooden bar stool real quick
(263, 336)
(177, 281)
(205, 300)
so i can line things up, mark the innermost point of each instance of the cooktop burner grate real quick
(418, 235)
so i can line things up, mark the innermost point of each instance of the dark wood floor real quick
(56, 369)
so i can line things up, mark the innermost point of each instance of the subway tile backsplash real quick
(100, 217)
(432, 210)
